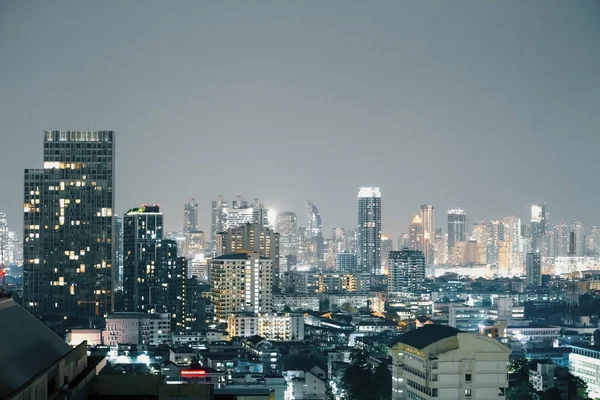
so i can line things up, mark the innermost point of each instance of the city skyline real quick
(396, 88)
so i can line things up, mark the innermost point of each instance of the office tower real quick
(561, 235)
(440, 247)
(387, 245)
(190, 216)
(254, 238)
(427, 217)
(344, 240)
(240, 281)
(457, 228)
(314, 228)
(4, 242)
(287, 227)
(118, 245)
(68, 227)
(466, 365)
(345, 262)
(577, 228)
(469, 252)
(415, 234)
(143, 273)
(495, 234)
(235, 217)
(480, 232)
(538, 226)
(406, 271)
(369, 230)
(512, 233)
(219, 208)
(592, 242)
(176, 300)
(533, 270)
(404, 241)
(504, 257)
(195, 244)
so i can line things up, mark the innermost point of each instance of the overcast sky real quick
(490, 105)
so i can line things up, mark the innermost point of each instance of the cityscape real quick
(252, 296)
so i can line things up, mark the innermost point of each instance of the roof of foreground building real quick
(27, 347)
(428, 334)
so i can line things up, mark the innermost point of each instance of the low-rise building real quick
(584, 362)
(542, 377)
(438, 361)
(137, 328)
(303, 302)
(284, 327)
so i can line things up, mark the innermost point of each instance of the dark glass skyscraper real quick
(143, 269)
(369, 230)
(68, 227)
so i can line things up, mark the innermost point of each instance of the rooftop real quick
(244, 255)
(27, 347)
(423, 337)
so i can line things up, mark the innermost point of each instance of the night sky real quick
(487, 105)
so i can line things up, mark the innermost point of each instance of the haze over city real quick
(490, 106)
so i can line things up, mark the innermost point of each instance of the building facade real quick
(281, 327)
(241, 281)
(441, 362)
(287, 227)
(457, 228)
(137, 328)
(68, 227)
(406, 271)
(369, 230)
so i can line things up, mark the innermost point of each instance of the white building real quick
(542, 377)
(296, 302)
(355, 300)
(309, 385)
(269, 326)
(136, 328)
(441, 362)
(584, 362)
(77, 336)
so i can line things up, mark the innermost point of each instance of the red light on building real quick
(193, 373)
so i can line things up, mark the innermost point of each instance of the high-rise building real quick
(577, 228)
(143, 271)
(406, 271)
(314, 229)
(287, 227)
(495, 235)
(176, 297)
(3, 239)
(561, 235)
(592, 242)
(457, 228)
(369, 230)
(195, 243)
(427, 217)
(345, 262)
(254, 238)
(240, 281)
(118, 245)
(440, 247)
(533, 269)
(219, 208)
(190, 216)
(68, 227)
(539, 224)
(415, 234)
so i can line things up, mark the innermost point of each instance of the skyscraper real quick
(538, 226)
(3, 239)
(190, 216)
(495, 235)
(533, 269)
(427, 217)
(415, 234)
(68, 227)
(406, 271)
(143, 273)
(118, 245)
(457, 228)
(314, 230)
(219, 209)
(577, 228)
(240, 281)
(562, 239)
(254, 238)
(369, 230)
(287, 227)
(345, 262)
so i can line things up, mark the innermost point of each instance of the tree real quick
(382, 383)
(358, 378)
(577, 388)
(520, 388)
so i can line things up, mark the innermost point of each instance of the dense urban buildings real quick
(68, 227)
(369, 230)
